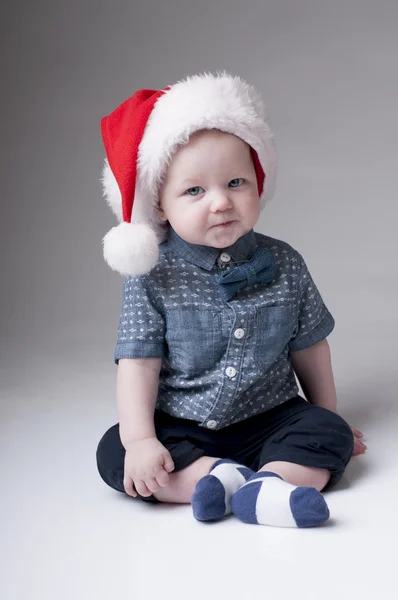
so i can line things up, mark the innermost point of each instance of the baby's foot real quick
(268, 500)
(212, 497)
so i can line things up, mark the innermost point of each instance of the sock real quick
(267, 499)
(211, 499)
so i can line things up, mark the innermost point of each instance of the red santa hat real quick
(142, 135)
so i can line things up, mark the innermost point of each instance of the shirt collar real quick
(206, 256)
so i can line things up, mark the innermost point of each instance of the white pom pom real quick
(131, 249)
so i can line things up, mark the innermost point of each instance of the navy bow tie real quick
(260, 269)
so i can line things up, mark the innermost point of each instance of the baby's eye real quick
(195, 191)
(236, 182)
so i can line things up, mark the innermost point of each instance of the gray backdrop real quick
(328, 72)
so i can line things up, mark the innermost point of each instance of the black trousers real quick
(294, 431)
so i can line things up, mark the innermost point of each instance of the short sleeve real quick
(314, 321)
(141, 324)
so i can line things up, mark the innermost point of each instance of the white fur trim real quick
(111, 191)
(131, 249)
(200, 102)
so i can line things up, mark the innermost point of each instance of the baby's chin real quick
(224, 236)
(214, 236)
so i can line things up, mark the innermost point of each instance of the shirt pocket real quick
(194, 340)
(273, 330)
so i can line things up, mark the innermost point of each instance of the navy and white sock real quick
(211, 499)
(267, 499)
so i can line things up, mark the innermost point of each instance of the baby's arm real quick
(136, 391)
(313, 367)
(147, 462)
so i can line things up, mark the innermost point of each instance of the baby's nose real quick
(220, 201)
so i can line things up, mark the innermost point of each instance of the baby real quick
(217, 320)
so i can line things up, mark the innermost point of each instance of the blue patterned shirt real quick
(222, 362)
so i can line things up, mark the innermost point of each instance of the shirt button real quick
(231, 372)
(239, 333)
(225, 257)
(212, 424)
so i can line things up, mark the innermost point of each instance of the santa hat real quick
(140, 138)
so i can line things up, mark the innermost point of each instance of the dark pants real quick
(295, 432)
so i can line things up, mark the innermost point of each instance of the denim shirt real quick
(222, 362)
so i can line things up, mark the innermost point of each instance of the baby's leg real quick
(299, 475)
(286, 490)
(208, 484)
(183, 483)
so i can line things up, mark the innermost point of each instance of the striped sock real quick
(268, 500)
(211, 499)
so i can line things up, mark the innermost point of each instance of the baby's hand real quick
(147, 465)
(359, 446)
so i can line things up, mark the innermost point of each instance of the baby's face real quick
(210, 194)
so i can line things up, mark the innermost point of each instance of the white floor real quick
(65, 535)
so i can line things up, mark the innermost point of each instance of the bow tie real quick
(260, 269)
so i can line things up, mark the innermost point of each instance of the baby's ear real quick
(161, 214)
